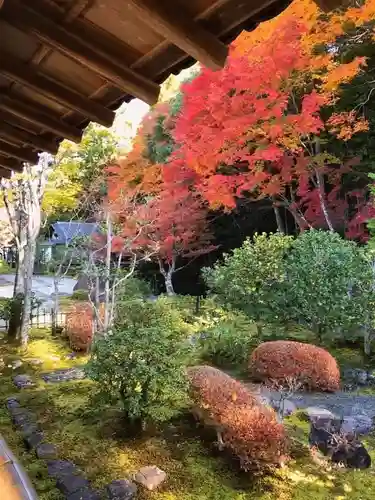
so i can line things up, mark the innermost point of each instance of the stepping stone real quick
(22, 417)
(321, 415)
(13, 402)
(34, 361)
(121, 490)
(71, 483)
(16, 364)
(64, 375)
(28, 429)
(150, 477)
(34, 440)
(84, 495)
(59, 468)
(46, 451)
(21, 381)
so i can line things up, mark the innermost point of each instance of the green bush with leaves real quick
(251, 278)
(132, 288)
(143, 361)
(80, 295)
(229, 341)
(330, 283)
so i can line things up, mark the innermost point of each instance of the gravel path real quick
(340, 403)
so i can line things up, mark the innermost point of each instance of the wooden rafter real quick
(18, 136)
(171, 20)
(23, 154)
(24, 75)
(67, 41)
(10, 163)
(40, 117)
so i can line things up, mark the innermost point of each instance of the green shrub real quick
(142, 363)
(330, 283)
(80, 295)
(133, 288)
(5, 267)
(250, 278)
(229, 341)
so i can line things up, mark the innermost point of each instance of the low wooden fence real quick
(41, 318)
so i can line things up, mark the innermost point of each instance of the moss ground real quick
(95, 438)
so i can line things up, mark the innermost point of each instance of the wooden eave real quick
(64, 63)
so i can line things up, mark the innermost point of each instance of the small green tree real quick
(330, 283)
(250, 278)
(142, 362)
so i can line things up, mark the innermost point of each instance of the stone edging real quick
(69, 479)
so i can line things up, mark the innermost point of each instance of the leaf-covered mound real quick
(281, 360)
(248, 428)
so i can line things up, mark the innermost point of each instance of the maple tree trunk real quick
(107, 288)
(279, 220)
(168, 275)
(320, 184)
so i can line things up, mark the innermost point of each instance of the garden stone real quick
(353, 455)
(150, 477)
(22, 381)
(23, 417)
(121, 490)
(35, 361)
(284, 408)
(356, 375)
(321, 416)
(59, 468)
(17, 364)
(84, 495)
(13, 402)
(34, 440)
(28, 429)
(46, 451)
(71, 483)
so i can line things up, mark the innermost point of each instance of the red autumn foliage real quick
(313, 366)
(79, 326)
(248, 429)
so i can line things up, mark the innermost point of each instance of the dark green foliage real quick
(80, 295)
(142, 362)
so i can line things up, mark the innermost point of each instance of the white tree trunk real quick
(107, 284)
(168, 275)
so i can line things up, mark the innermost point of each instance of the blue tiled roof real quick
(65, 232)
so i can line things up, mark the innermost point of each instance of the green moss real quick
(95, 437)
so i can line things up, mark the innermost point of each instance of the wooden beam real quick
(13, 133)
(4, 172)
(81, 50)
(10, 164)
(24, 75)
(40, 117)
(22, 154)
(170, 19)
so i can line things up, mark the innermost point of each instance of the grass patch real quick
(96, 438)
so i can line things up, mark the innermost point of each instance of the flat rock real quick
(28, 429)
(87, 494)
(151, 477)
(71, 483)
(21, 381)
(34, 361)
(34, 440)
(16, 364)
(121, 490)
(46, 451)
(64, 375)
(316, 413)
(13, 402)
(59, 468)
(23, 417)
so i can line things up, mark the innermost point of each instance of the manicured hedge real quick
(281, 360)
(248, 428)
(79, 326)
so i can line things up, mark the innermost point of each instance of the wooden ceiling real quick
(64, 63)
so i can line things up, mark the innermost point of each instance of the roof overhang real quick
(65, 63)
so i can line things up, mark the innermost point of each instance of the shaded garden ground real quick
(95, 438)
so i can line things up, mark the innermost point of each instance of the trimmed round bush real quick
(78, 326)
(282, 360)
(246, 427)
